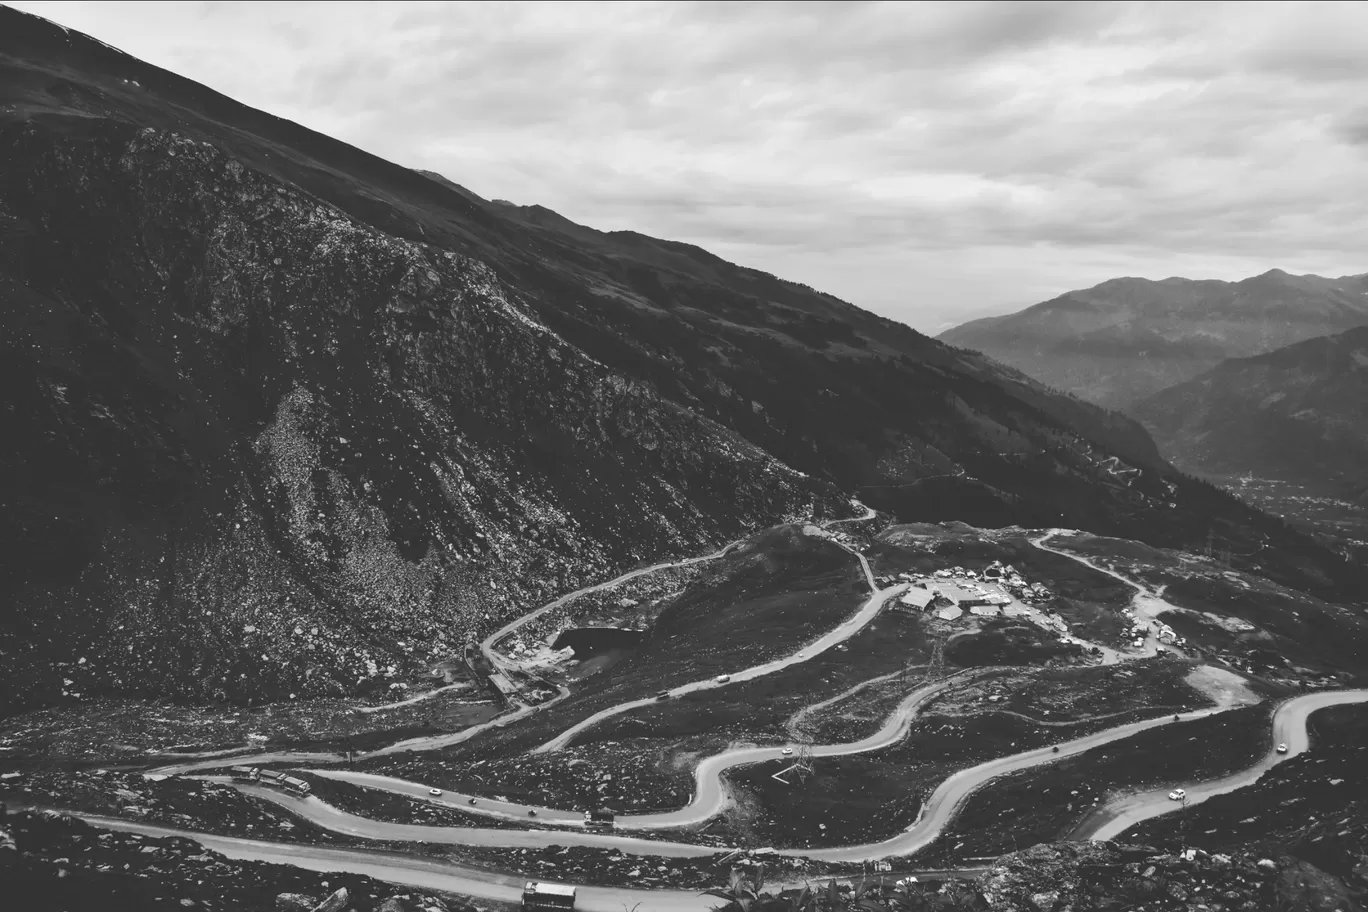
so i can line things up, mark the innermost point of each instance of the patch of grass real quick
(633, 774)
(762, 707)
(1008, 641)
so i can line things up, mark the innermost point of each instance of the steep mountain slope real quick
(279, 414)
(1120, 341)
(1298, 414)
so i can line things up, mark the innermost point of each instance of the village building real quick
(916, 599)
(949, 613)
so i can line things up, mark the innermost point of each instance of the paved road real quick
(416, 872)
(1289, 727)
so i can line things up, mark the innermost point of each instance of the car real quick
(472, 800)
(663, 695)
(1177, 795)
(1054, 750)
(1282, 748)
(531, 813)
(786, 751)
(434, 791)
(723, 679)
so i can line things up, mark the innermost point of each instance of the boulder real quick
(335, 903)
(295, 902)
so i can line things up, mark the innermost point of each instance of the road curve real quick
(837, 635)
(1289, 727)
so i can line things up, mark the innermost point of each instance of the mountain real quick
(1125, 339)
(1298, 414)
(281, 417)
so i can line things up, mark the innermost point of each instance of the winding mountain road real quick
(1289, 727)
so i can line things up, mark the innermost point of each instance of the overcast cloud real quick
(932, 162)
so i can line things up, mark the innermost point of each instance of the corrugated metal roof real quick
(917, 597)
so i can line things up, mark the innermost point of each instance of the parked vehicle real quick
(537, 896)
(1177, 795)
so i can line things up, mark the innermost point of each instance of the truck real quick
(245, 773)
(293, 785)
(598, 819)
(547, 896)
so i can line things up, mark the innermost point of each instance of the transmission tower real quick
(935, 668)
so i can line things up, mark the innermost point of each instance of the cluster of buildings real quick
(1139, 629)
(949, 594)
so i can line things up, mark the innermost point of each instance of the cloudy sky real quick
(930, 161)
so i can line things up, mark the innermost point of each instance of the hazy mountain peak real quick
(1127, 338)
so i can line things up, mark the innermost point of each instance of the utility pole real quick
(1182, 822)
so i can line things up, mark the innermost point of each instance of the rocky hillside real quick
(1125, 339)
(1298, 414)
(282, 418)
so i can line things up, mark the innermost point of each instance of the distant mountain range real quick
(1299, 413)
(280, 416)
(1125, 339)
